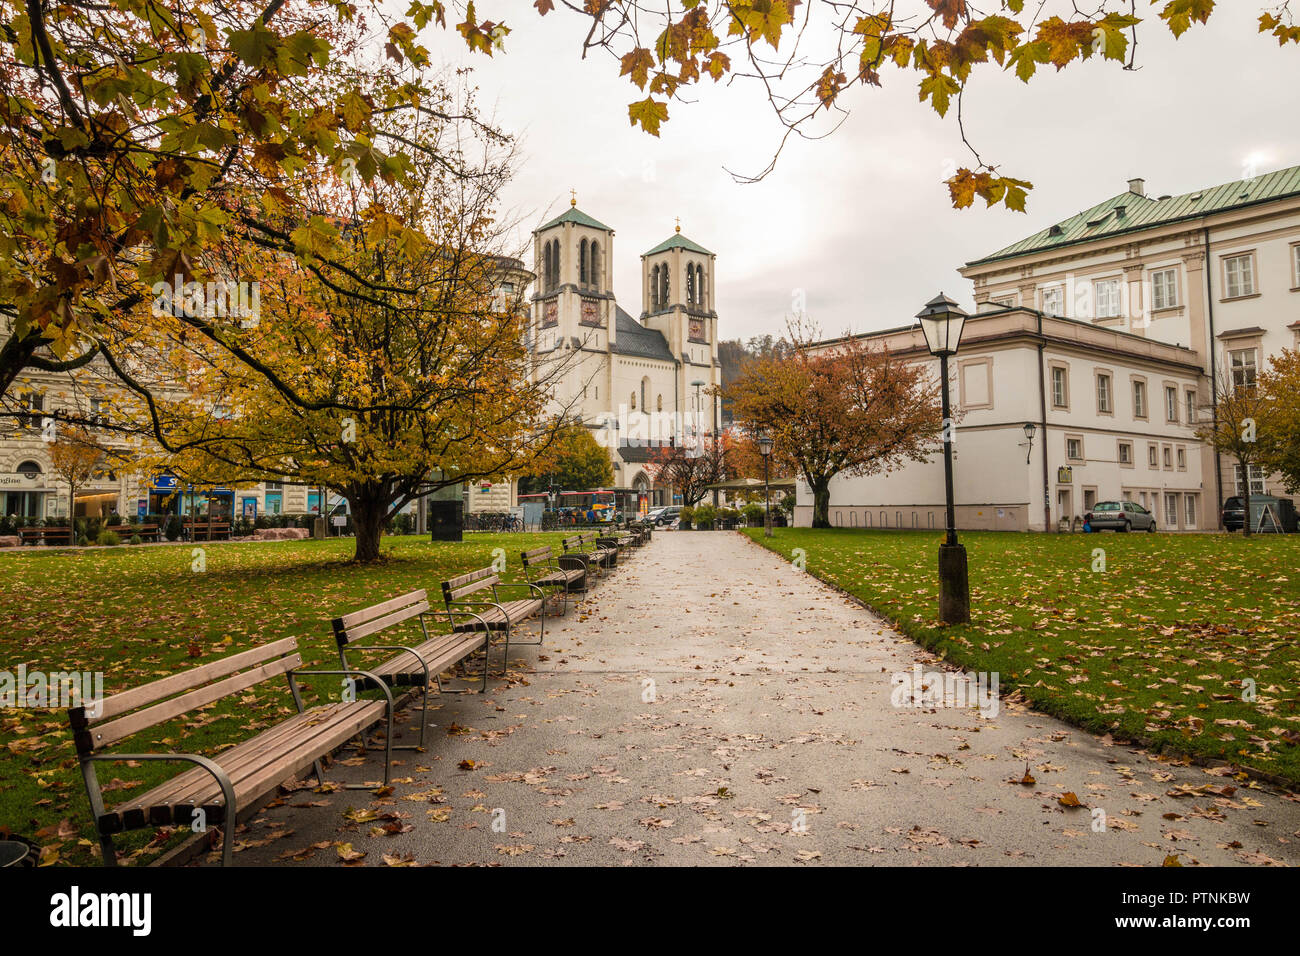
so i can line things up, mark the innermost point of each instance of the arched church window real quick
(582, 262)
(546, 267)
(645, 388)
(654, 289)
(699, 285)
(659, 403)
(690, 283)
(593, 270)
(663, 287)
(633, 403)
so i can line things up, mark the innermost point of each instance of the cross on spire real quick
(679, 223)
(574, 200)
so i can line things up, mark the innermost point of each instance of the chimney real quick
(1138, 187)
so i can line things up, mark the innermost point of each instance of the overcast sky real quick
(861, 221)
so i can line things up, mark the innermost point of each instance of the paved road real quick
(769, 735)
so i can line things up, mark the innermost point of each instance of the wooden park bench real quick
(48, 535)
(207, 530)
(494, 615)
(413, 666)
(234, 781)
(566, 573)
(148, 532)
(597, 558)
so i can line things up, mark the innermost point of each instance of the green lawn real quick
(138, 614)
(1156, 647)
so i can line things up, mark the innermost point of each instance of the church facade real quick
(637, 382)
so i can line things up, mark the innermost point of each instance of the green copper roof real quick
(575, 215)
(1129, 212)
(678, 241)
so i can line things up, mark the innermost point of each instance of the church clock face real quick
(697, 330)
(590, 312)
(551, 314)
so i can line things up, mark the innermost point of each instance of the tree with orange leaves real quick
(844, 409)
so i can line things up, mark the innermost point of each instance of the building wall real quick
(1204, 317)
(998, 476)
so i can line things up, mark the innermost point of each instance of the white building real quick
(633, 381)
(1109, 332)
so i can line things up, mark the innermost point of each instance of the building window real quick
(1074, 449)
(1189, 511)
(1054, 300)
(1239, 276)
(1171, 510)
(1006, 302)
(1295, 265)
(1164, 289)
(1242, 362)
(1168, 455)
(1153, 456)
(1182, 458)
(1103, 395)
(1256, 480)
(1191, 407)
(1106, 295)
(1171, 403)
(1060, 387)
(1139, 399)
(1126, 453)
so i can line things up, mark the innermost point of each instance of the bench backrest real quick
(377, 617)
(148, 705)
(542, 555)
(479, 580)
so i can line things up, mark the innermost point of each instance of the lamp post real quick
(942, 321)
(1030, 428)
(765, 449)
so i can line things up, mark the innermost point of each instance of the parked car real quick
(1119, 516)
(1234, 513)
(664, 516)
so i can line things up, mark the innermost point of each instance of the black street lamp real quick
(765, 449)
(1030, 428)
(942, 321)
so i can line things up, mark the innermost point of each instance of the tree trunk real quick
(821, 490)
(72, 514)
(367, 524)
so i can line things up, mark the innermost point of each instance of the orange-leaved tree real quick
(412, 361)
(139, 134)
(845, 408)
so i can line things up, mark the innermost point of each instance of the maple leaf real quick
(637, 63)
(649, 113)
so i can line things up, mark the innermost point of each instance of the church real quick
(637, 382)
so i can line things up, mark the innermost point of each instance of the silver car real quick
(1119, 516)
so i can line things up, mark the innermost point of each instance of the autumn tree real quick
(1241, 418)
(136, 135)
(844, 409)
(1280, 442)
(689, 466)
(76, 457)
(575, 461)
(405, 374)
(806, 58)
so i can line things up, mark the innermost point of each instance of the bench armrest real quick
(341, 672)
(522, 584)
(392, 647)
(211, 766)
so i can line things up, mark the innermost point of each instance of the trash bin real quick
(15, 851)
